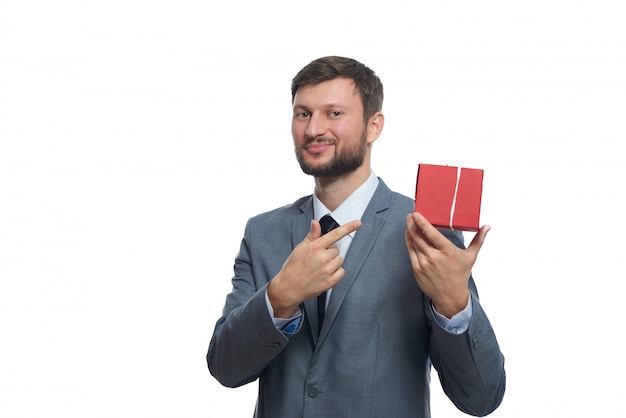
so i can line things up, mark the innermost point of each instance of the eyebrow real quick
(300, 106)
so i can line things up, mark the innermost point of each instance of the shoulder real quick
(387, 200)
(281, 214)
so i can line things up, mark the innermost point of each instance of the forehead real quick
(339, 91)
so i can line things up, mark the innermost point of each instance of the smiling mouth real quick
(318, 147)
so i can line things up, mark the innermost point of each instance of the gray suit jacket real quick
(378, 340)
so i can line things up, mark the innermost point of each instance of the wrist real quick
(452, 306)
(281, 308)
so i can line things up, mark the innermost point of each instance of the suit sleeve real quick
(470, 365)
(245, 338)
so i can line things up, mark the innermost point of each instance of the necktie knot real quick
(328, 224)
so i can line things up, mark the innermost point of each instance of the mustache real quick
(320, 140)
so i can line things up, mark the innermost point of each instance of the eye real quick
(302, 115)
(335, 113)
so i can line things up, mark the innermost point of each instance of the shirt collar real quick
(353, 207)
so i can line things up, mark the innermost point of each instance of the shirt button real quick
(313, 391)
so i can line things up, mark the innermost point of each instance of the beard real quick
(344, 161)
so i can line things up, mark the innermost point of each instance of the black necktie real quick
(328, 224)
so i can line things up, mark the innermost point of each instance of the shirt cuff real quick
(459, 323)
(285, 325)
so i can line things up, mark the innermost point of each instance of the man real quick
(402, 298)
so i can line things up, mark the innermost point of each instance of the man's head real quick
(336, 117)
(366, 82)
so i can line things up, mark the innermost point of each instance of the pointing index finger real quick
(341, 231)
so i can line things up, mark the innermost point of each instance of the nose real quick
(316, 126)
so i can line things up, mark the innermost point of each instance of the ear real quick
(375, 127)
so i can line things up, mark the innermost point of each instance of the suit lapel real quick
(360, 248)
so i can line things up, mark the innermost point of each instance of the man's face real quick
(328, 128)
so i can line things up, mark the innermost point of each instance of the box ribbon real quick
(456, 189)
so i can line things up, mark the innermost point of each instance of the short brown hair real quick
(365, 80)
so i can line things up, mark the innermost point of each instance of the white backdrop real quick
(136, 138)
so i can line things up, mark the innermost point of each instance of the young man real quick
(399, 295)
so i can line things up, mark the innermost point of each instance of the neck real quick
(333, 191)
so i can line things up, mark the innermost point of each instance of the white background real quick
(136, 138)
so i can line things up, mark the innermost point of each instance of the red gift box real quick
(449, 197)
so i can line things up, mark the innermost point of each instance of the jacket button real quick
(275, 348)
(313, 391)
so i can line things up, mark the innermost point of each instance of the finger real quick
(315, 232)
(479, 239)
(420, 250)
(419, 242)
(410, 246)
(339, 232)
(429, 232)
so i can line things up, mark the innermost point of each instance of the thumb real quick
(479, 239)
(315, 232)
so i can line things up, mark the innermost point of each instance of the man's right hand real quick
(313, 267)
